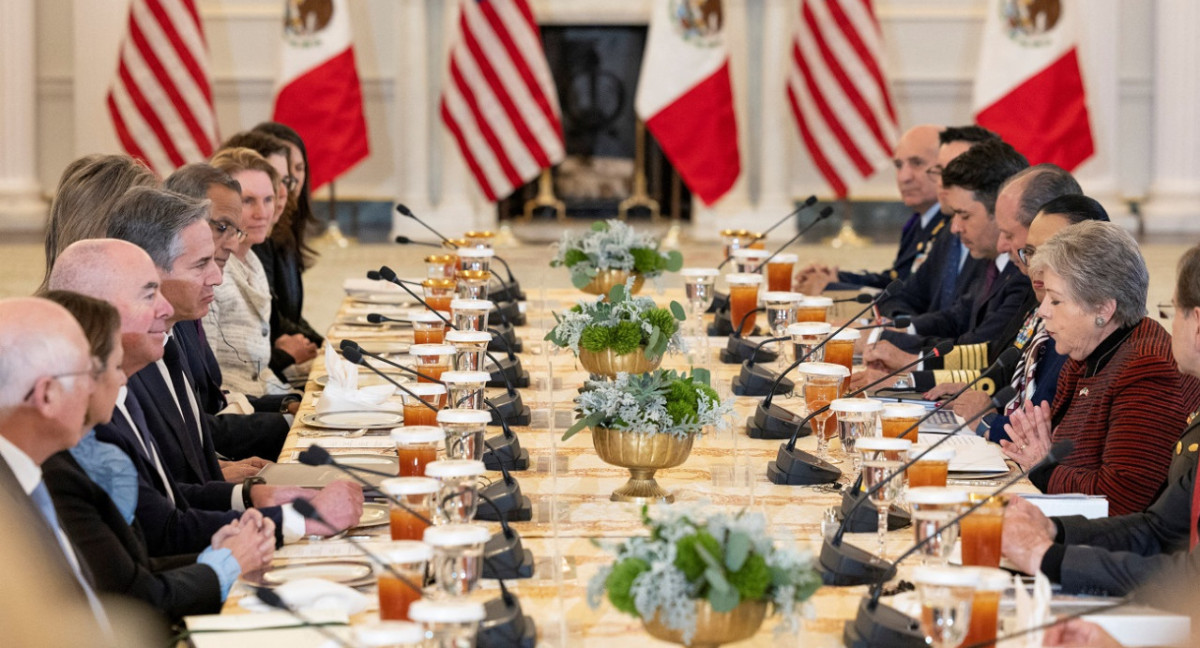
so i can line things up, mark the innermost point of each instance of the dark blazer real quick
(115, 552)
(914, 241)
(921, 292)
(236, 436)
(973, 318)
(187, 459)
(282, 268)
(1116, 555)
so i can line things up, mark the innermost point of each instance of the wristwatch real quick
(247, 484)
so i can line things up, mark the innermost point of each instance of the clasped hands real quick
(1031, 432)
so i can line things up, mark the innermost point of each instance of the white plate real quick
(374, 513)
(353, 420)
(384, 347)
(398, 297)
(351, 573)
(367, 378)
(361, 320)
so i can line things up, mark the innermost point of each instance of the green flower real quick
(595, 338)
(619, 582)
(662, 319)
(574, 256)
(753, 579)
(625, 337)
(680, 412)
(646, 260)
(688, 560)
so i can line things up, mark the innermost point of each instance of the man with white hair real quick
(46, 378)
(178, 517)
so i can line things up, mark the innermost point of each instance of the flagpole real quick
(333, 232)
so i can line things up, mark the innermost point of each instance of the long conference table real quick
(569, 487)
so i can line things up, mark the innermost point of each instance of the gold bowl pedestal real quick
(604, 280)
(643, 455)
(609, 364)
(715, 628)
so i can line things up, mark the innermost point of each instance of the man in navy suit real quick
(178, 514)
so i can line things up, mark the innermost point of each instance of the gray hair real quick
(1099, 261)
(1043, 183)
(153, 219)
(31, 350)
(195, 179)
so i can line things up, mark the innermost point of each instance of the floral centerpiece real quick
(705, 577)
(606, 334)
(646, 423)
(611, 252)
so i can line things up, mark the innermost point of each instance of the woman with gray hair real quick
(1120, 396)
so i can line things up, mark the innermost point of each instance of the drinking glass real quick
(417, 494)
(781, 313)
(458, 489)
(466, 389)
(876, 472)
(470, 349)
(479, 238)
(946, 597)
(822, 384)
(898, 418)
(428, 328)
(985, 605)
(779, 271)
(439, 292)
(417, 446)
(738, 239)
(473, 284)
(407, 559)
(932, 508)
(806, 336)
(840, 350)
(416, 412)
(464, 431)
(931, 469)
(743, 300)
(431, 360)
(813, 309)
(475, 258)
(449, 623)
(470, 314)
(441, 266)
(857, 418)
(457, 556)
(750, 260)
(698, 285)
(981, 531)
(881, 450)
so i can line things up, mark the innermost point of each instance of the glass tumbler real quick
(946, 597)
(428, 328)
(743, 301)
(451, 623)
(464, 432)
(457, 556)
(932, 508)
(458, 489)
(422, 404)
(806, 337)
(857, 418)
(466, 388)
(441, 266)
(473, 284)
(471, 314)
(416, 493)
(779, 271)
(900, 419)
(750, 260)
(475, 258)
(402, 584)
(813, 309)
(416, 447)
(470, 349)
(431, 360)
(439, 292)
(821, 383)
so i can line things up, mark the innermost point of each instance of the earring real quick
(1099, 322)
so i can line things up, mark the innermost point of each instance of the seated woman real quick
(94, 487)
(238, 323)
(1120, 396)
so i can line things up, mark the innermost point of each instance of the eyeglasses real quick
(934, 171)
(92, 372)
(1026, 253)
(1166, 310)
(290, 182)
(226, 229)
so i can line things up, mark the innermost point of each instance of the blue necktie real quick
(41, 498)
(949, 285)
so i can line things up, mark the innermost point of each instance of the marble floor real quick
(22, 263)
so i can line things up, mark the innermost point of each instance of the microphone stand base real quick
(506, 626)
(506, 559)
(799, 468)
(497, 346)
(506, 311)
(883, 626)
(845, 565)
(739, 349)
(758, 380)
(720, 303)
(522, 512)
(866, 518)
(514, 464)
(515, 373)
(521, 570)
(775, 422)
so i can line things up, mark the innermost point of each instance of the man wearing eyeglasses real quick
(46, 379)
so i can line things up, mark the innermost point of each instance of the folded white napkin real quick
(308, 595)
(342, 393)
(1032, 609)
(362, 285)
(266, 630)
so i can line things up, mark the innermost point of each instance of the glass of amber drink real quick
(822, 384)
(900, 419)
(428, 328)
(840, 350)
(985, 606)
(416, 493)
(416, 447)
(806, 340)
(981, 531)
(813, 309)
(407, 558)
(743, 301)
(431, 360)
(422, 405)
(739, 239)
(439, 292)
(931, 469)
(779, 272)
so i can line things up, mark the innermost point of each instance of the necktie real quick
(137, 418)
(989, 280)
(41, 498)
(176, 367)
(949, 284)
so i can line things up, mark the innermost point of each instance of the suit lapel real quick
(164, 419)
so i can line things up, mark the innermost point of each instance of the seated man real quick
(1117, 555)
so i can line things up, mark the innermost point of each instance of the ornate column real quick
(21, 204)
(412, 116)
(1174, 203)
(776, 130)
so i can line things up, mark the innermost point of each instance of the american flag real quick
(161, 99)
(498, 100)
(838, 92)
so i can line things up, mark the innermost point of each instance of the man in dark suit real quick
(971, 184)
(46, 379)
(177, 516)
(1139, 552)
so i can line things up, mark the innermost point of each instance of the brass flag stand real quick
(639, 197)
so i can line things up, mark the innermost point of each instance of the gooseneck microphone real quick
(880, 625)
(842, 564)
(899, 321)
(822, 215)
(405, 211)
(404, 240)
(808, 202)
(387, 274)
(355, 356)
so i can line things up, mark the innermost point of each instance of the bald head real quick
(915, 152)
(122, 274)
(45, 376)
